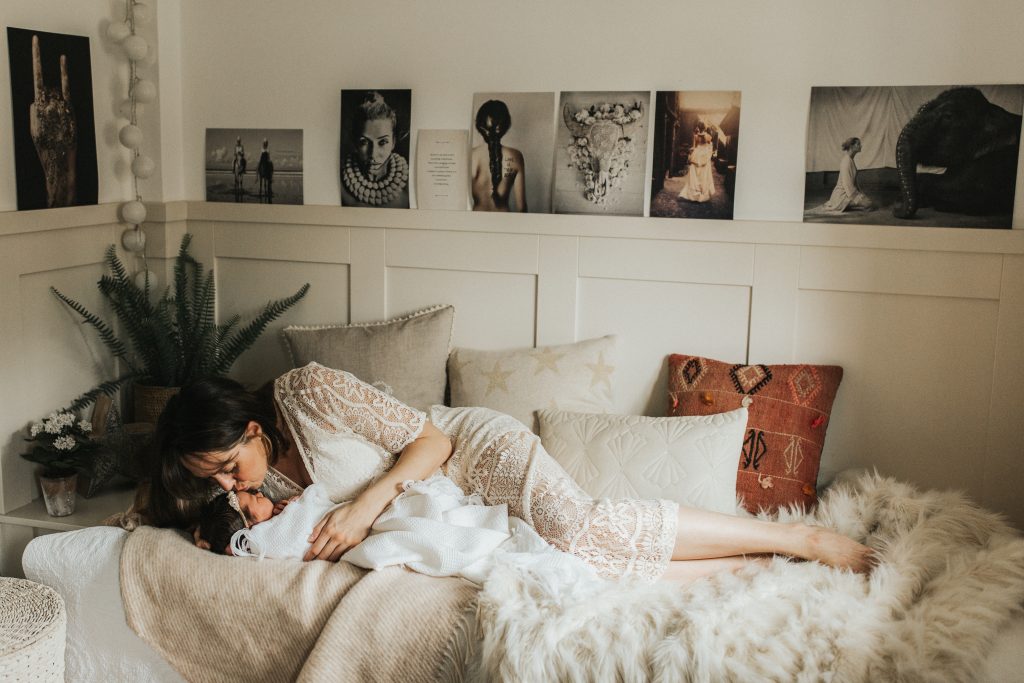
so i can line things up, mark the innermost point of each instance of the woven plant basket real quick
(33, 625)
(149, 401)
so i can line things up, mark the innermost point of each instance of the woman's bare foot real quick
(835, 550)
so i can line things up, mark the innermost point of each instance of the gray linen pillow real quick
(405, 356)
(520, 381)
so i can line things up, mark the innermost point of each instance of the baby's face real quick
(257, 507)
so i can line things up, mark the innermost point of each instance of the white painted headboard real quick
(928, 323)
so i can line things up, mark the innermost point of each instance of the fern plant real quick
(176, 340)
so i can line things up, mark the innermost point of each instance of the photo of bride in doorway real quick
(696, 135)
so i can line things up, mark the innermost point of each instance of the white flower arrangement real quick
(62, 443)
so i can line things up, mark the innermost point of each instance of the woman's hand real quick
(342, 528)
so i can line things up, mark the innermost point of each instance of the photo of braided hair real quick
(492, 121)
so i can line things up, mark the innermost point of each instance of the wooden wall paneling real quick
(661, 297)
(557, 278)
(257, 263)
(1004, 445)
(888, 271)
(918, 360)
(488, 252)
(368, 285)
(490, 278)
(720, 263)
(773, 303)
(49, 356)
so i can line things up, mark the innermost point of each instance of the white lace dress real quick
(349, 433)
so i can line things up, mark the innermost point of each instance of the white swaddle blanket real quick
(284, 535)
(432, 527)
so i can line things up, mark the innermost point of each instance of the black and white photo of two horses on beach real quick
(254, 165)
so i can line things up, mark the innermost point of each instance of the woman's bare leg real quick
(688, 571)
(701, 534)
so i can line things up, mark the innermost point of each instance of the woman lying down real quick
(324, 426)
(432, 528)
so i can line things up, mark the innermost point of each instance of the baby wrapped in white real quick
(432, 527)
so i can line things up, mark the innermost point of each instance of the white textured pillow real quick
(519, 382)
(691, 460)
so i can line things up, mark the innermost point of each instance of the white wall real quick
(282, 64)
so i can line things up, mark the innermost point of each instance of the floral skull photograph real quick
(600, 153)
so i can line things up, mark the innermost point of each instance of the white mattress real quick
(83, 566)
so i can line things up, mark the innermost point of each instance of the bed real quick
(945, 604)
(946, 601)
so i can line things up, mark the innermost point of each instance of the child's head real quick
(225, 514)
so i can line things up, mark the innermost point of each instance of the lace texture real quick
(277, 487)
(347, 432)
(496, 457)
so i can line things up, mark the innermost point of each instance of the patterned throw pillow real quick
(691, 460)
(404, 356)
(520, 381)
(789, 413)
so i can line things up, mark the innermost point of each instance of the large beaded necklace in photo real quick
(376, 192)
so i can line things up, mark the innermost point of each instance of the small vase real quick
(59, 494)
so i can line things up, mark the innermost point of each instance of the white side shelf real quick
(88, 511)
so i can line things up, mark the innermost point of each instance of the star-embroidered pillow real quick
(519, 382)
(789, 413)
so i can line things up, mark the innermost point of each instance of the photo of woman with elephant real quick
(943, 156)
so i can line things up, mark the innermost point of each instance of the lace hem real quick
(498, 458)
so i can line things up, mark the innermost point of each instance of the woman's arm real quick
(345, 527)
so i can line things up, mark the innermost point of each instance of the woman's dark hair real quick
(208, 416)
(501, 121)
(218, 522)
(849, 142)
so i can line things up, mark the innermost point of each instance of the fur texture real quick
(950, 576)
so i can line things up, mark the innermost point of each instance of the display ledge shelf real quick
(901, 237)
(88, 511)
(792, 233)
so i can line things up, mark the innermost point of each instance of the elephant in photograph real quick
(975, 140)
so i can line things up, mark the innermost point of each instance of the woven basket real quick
(150, 401)
(32, 631)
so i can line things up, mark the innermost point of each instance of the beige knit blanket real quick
(218, 618)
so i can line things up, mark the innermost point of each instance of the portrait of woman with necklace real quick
(374, 166)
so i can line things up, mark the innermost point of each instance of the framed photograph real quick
(696, 136)
(375, 128)
(52, 115)
(254, 165)
(601, 152)
(934, 155)
(513, 142)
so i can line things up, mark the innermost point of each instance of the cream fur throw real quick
(950, 576)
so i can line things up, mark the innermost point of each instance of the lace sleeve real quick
(337, 402)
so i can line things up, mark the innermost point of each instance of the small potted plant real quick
(174, 341)
(64, 447)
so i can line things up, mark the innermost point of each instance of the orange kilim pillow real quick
(789, 413)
